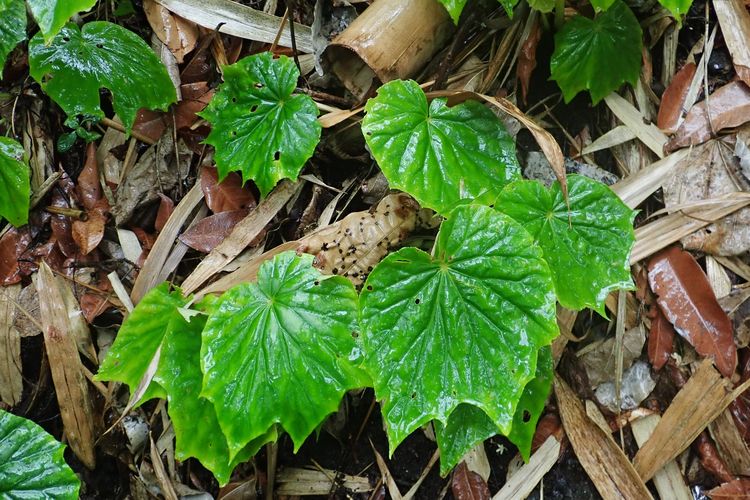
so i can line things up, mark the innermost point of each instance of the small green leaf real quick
(598, 55)
(51, 15)
(15, 187)
(196, 427)
(281, 350)
(588, 247)
(467, 427)
(438, 154)
(12, 27)
(258, 126)
(77, 63)
(139, 339)
(601, 5)
(454, 8)
(532, 402)
(462, 327)
(32, 463)
(677, 8)
(544, 6)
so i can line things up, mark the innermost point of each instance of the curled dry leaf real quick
(207, 233)
(166, 207)
(548, 425)
(150, 124)
(673, 99)
(527, 58)
(12, 245)
(354, 246)
(88, 233)
(468, 485)
(728, 106)
(177, 33)
(227, 195)
(660, 339)
(733, 490)
(688, 302)
(710, 458)
(61, 225)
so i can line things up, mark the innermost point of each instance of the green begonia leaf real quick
(51, 15)
(468, 425)
(597, 55)
(32, 463)
(677, 8)
(258, 126)
(532, 402)
(455, 7)
(438, 154)
(544, 6)
(77, 63)
(139, 339)
(461, 327)
(15, 187)
(588, 247)
(12, 27)
(601, 5)
(281, 350)
(196, 427)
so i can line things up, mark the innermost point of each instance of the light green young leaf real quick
(598, 55)
(677, 8)
(15, 187)
(12, 27)
(438, 154)
(545, 6)
(463, 326)
(77, 63)
(258, 126)
(588, 247)
(32, 463)
(455, 7)
(51, 15)
(281, 351)
(601, 5)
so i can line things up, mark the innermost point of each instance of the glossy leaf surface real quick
(601, 5)
(12, 26)
(597, 55)
(77, 63)
(677, 8)
(438, 154)
(687, 300)
(51, 15)
(463, 326)
(258, 126)
(32, 463)
(15, 187)
(588, 247)
(196, 427)
(281, 350)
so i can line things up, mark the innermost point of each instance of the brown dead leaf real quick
(468, 485)
(728, 106)
(548, 425)
(195, 97)
(710, 458)
(210, 231)
(166, 207)
(660, 339)
(61, 224)
(177, 33)
(89, 233)
(151, 124)
(527, 58)
(227, 195)
(88, 188)
(735, 489)
(673, 99)
(688, 302)
(12, 245)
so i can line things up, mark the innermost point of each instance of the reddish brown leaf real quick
(548, 425)
(150, 124)
(93, 304)
(199, 69)
(728, 106)
(209, 232)
(227, 195)
(89, 233)
(88, 188)
(195, 97)
(166, 207)
(673, 99)
(660, 339)
(468, 485)
(178, 34)
(12, 245)
(733, 490)
(61, 224)
(710, 459)
(740, 407)
(688, 302)
(527, 58)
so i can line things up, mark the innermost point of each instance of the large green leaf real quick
(12, 27)
(588, 247)
(463, 326)
(32, 463)
(257, 125)
(597, 55)
(281, 350)
(15, 187)
(438, 154)
(197, 430)
(51, 15)
(77, 63)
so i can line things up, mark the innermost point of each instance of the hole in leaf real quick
(316, 283)
(355, 334)
(277, 155)
(259, 85)
(66, 39)
(416, 301)
(414, 395)
(234, 133)
(234, 99)
(526, 416)
(99, 45)
(369, 288)
(253, 108)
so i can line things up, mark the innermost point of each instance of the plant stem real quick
(559, 13)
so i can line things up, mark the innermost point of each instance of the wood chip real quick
(732, 448)
(303, 482)
(523, 482)
(609, 469)
(705, 395)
